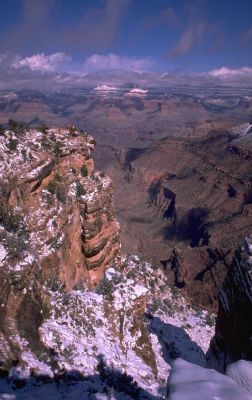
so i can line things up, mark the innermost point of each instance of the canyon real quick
(73, 299)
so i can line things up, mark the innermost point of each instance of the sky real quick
(78, 37)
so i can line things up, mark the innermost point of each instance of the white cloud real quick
(111, 61)
(225, 72)
(42, 62)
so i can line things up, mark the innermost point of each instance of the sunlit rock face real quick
(57, 225)
(191, 382)
(233, 337)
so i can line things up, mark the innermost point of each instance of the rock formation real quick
(191, 207)
(57, 225)
(233, 335)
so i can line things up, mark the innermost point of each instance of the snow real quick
(242, 130)
(192, 382)
(105, 88)
(3, 252)
(241, 373)
(83, 326)
(137, 92)
(35, 173)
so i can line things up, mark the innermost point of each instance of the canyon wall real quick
(57, 226)
(191, 208)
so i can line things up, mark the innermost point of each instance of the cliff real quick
(191, 207)
(233, 333)
(57, 225)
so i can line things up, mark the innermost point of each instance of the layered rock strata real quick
(57, 226)
(191, 208)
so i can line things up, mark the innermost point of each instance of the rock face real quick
(191, 208)
(233, 336)
(57, 225)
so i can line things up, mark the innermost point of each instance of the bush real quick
(18, 128)
(93, 141)
(210, 319)
(80, 190)
(81, 285)
(54, 187)
(58, 149)
(54, 243)
(46, 311)
(1, 130)
(24, 154)
(71, 129)
(17, 281)
(55, 285)
(12, 145)
(106, 288)
(43, 129)
(84, 170)
(11, 220)
(45, 143)
(15, 246)
(58, 177)
(61, 193)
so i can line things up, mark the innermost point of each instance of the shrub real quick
(52, 186)
(46, 311)
(81, 285)
(12, 145)
(106, 288)
(45, 143)
(58, 189)
(55, 285)
(210, 319)
(93, 141)
(84, 170)
(58, 177)
(24, 154)
(11, 220)
(58, 149)
(54, 243)
(80, 190)
(17, 281)
(43, 129)
(155, 306)
(61, 193)
(15, 246)
(1, 130)
(18, 128)
(71, 129)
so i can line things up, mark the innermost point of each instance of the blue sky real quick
(191, 36)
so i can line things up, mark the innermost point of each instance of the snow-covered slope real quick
(84, 329)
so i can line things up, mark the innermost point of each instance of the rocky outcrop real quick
(57, 226)
(233, 336)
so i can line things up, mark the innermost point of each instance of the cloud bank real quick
(228, 73)
(53, 71)
(42, 62)
(111, 61)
